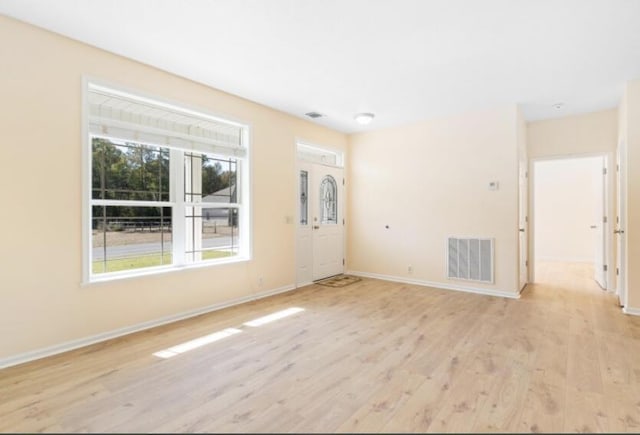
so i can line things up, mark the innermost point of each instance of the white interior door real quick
(523, 223)
(327, 221)
(598, 226)
(621, 283)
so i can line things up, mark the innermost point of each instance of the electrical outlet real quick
(410, 269)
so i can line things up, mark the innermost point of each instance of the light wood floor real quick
(373, 356)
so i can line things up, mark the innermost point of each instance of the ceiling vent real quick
(314, 115)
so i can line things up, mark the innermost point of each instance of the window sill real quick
(160, 270)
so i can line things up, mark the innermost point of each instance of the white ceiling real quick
(403, 60)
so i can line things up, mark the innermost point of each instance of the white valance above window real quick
(113, 114)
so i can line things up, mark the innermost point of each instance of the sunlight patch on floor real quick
(273, 317)
(216, 336)
(196, 343)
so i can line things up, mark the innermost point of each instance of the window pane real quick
(128, 238)
(211, 233)
(129, 171)
(304, 196)
(328, 201)
(211, 179)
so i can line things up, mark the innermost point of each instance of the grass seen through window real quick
(120, 264)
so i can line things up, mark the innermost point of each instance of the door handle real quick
(316, 227)
(593, 227)
(618, 231)
(521, 230)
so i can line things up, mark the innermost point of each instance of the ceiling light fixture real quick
(364, 118)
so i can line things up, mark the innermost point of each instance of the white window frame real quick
(177, 200)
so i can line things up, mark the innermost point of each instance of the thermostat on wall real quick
(493, 185)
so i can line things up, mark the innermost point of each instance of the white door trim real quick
(523, 225)
(622, 289)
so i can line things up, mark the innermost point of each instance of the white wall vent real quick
(470, 259)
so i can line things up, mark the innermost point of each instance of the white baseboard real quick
(438, 285)
(86, 341)
(304, 284)
(631, 311)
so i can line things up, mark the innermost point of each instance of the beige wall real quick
(631, 132)
(579, 134)
(429, 180)
(41, 300)
(565, 201)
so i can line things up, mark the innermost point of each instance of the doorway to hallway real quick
(572, 215)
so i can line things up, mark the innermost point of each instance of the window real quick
(328, 200)
(304, 205)
(169, 186)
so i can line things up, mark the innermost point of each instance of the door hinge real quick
(617, 271)
(618, 168)
(604, 171)
(343, 261)
(526, 174)
(343, 181)
(604, 219)
(526, 219)
(526, 263)
(605, 267)
(342, 221)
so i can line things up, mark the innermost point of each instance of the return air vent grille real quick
(470, 259)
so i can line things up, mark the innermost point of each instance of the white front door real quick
(523, 223)
(598, 226)
(320, 235)
(621, 224)
(327, 221)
